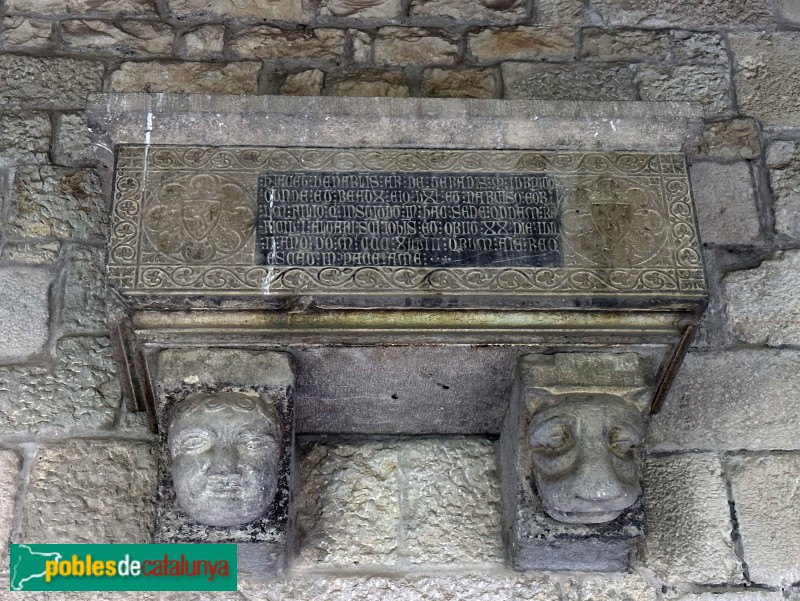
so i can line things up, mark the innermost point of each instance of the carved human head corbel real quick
(585, 452)
(225, 449)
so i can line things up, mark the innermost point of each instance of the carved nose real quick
(599, 482)
(224, 461)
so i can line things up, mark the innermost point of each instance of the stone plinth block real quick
(24, 311)
(569, 454)
(9, 474)
(226, 453)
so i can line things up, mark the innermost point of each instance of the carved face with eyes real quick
(225, 450)
(585, 452)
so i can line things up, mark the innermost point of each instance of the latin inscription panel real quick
(412, 219)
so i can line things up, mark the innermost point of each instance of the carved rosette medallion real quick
(183, 223)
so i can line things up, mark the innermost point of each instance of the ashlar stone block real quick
(567, 82)
(370, 83)
(788, 11)
(72, 144)
(226, 453)
(706, 48)
(763, 304)
(349, 512)
(766, 493)
(569, 451)
(118, 37)
(55, 202)
(730, 139)
(688, 521)
(204, 42)
(766, 69)
(23, 32)
(623, 45)
(9, 481)
(84, 299)
(608, 587)
(403, 46)
(79, 394)
(363, 9)
(71, 500)
(493, 45)
(57, 83)
(459, 83)
(745, 399)
(24, 311)
(783, 160)
(274, 43)
(24, 137)
(668, 13)
(305, 83)
(60, 7)
(725, 202)
(707, 84)
(273, 10)
(472, 10)
(189, 78)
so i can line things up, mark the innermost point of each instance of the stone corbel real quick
(226, 453)
(570, 448)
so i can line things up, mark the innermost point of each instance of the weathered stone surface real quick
(688, 521)
(24, 311)
(363, 9)
(204, 42)
(60, 83)
(767, 67)
(616, 587)
(450, 504)
(362, 46)
(496, 10)
(788, 11)
(24, 137)
(559, 12)
(84, 292)
(707, 85)
(72, 144)
(72, 500)
(370, 83)
(9, 477)
(725, 203)
(731, 400)
(33, 253)
(305, 83)
(217, 366)
(766, 491)
(665, 13)
(492, 45)
(501, 584)
(730, 139)
(118, 37)
(56, 7)
(57, 202)
(462, 83)
(734, 596)
(273, 43)
(22, 32)
(763, 303)
(348, 508)
(783, 160)
(277, 10)
(79, 393)
(624, 45)
(190, 78)
(412, 45)
(699, 47)
(567, 82)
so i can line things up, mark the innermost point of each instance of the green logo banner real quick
(123, 567)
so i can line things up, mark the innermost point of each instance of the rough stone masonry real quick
(723, 457)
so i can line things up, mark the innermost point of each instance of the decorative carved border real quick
(660, 181)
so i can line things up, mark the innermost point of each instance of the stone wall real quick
(411, 518)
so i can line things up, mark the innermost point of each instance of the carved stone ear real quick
(640, 398)
(535, 398)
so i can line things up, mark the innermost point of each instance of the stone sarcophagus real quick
(412, 262)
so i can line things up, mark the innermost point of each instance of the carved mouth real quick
(584, 517)
(225, 485)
